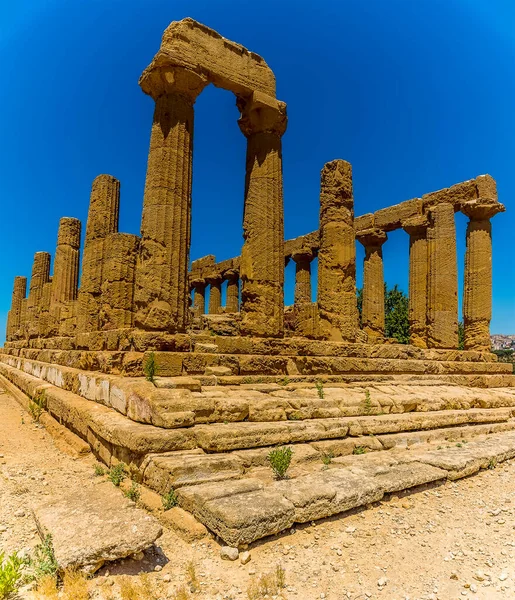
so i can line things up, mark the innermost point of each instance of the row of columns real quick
(232, 300)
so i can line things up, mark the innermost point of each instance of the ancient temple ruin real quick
(234, 380)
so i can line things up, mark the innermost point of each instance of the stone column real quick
(442, 309)
(104, 208)
(336, 297)
(215, 295)
(477, 297)
(40, 275)
(302, 261)
(8, 327)
(66, 268)
(372, 316)
(232, 299)
(199, 297)
(263, 122)
(19, 292)
(418, 264)
(116, 300)
(161, 292)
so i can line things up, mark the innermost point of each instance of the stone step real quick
(243, 511)
(233, 436)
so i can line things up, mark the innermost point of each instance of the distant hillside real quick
(503, 342)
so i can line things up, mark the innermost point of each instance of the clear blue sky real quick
(416, 94)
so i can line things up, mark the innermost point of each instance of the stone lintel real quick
(456, 195)
(364, 222)
(224, 63)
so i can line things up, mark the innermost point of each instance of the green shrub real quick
(367, 403)
(150, 367)
(133, 493)
(320, 389)
(44, 562)
(359, 450)
(279, 459)
(169, 499)
(10, 574)
(99, 470)
(117, 474)
(327, 457)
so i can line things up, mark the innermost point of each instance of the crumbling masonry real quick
(84, 348)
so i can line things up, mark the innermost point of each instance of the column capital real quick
(231, 274)
(261, 113)
(214, 279)
(416, 225)
(197, 282)
(482, 209)
(303, 255)
(372, 238)
(159, 80)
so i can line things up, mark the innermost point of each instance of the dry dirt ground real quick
(447, 542)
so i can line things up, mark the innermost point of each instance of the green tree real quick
(395, 313)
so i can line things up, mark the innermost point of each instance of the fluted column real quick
(263, 122)
(116, 299)
(302, 261)
(215, 295)
(103, 214)
(199, 297)
(161, 292)
(19, 292)
(418, 265)
(40, 275)
(477, 297)
(372, 316)
(336, 297)
(232, 298)
(442, 309)
(66, 270)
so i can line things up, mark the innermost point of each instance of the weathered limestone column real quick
(372, 316)
(161, 292)
(215, 295)
(232, 299)
(44, 321)
(103, 214)
(302, 261)
(66, 268)
(199, 297)
(336, 297)
(19, 292)
(477, 297)
(116, 300)
(418, 265)
(263, 122)
(442, 309)
(8, 327)
(40, 275)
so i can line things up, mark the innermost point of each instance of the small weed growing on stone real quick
(279, 459)
(99, 470)
(169, 499)
(492, 463)
(117, 474)
(191, 573)
(44, 562)
(327, 458)
(465, 441)
(439, 447)
(320, 389)
(35, 411)
(458, 445)
(294, 416)
(367, 403)
(133, 493)
(150, 367)
(284, 381)
(359, 450)
(10, 574)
